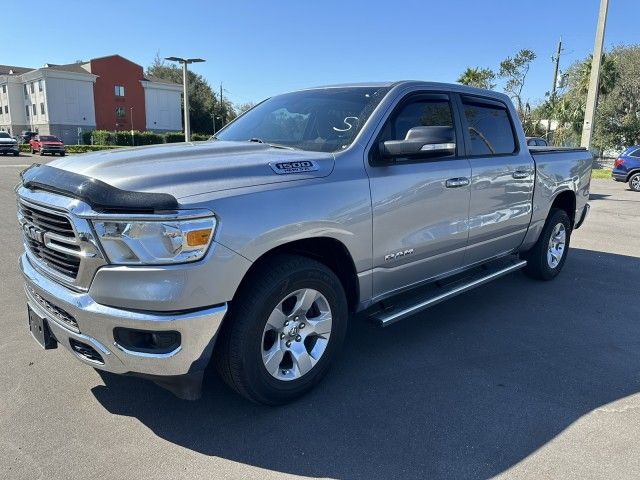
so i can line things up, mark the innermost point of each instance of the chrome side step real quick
(440, 294)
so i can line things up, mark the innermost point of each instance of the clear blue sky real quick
(258, 48)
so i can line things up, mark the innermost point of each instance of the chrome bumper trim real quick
(96, 323)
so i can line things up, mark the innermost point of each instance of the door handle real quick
(520, 174)
(457, 182)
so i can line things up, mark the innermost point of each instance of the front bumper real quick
(96, 325)
(9, 149)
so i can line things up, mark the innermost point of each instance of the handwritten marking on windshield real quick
(349, 125)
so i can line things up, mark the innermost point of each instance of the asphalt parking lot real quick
(517, 379)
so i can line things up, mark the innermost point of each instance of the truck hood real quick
(7, 140)
(186, 169)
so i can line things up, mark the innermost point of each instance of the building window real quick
(6, 109)
(32, 89)
(26, 107)
(119, 91)
(39, 85)
(42, 108)
(33, 107)
(4, 89)
(26, 92)
(120, 113)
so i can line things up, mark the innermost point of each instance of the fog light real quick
(147, 341)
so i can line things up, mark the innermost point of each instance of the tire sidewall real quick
(257, 375)
(559, 216)
(636, 175)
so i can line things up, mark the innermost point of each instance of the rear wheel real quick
(41, 152)
(546, 259)
(634, 182)
(284, 328)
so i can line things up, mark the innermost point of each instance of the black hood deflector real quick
(99, 195)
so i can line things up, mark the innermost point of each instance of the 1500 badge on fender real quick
(283, 168)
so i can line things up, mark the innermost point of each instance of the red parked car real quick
(47, 144)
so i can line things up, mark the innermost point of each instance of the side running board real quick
(439, 294)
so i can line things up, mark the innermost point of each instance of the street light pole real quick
(594, 78)
(185, 85)
(133, 143)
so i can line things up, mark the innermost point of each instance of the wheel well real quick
(632, 173)
(566, 201)
(326, 250)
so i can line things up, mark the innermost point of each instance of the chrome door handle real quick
(457, 182)
(519, 174)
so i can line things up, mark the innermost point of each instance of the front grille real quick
(56, 250)
(57, 313)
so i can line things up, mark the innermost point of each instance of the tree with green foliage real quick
(478, 77)
(203, 103)
(514, 70)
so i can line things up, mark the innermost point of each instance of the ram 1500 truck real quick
(255, 248)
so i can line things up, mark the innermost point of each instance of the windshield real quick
(48, 138)
(4, 135)
(321, 120)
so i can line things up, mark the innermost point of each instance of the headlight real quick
(155, 242)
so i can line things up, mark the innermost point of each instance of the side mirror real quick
(421, 142)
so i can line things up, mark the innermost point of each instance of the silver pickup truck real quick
(254, 249)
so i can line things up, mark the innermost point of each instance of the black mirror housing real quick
(421, 142)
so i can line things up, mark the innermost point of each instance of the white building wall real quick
(70, 102)
(163, 106)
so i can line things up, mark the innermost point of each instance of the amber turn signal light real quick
(198, 238)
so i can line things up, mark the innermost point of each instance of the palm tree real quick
(608, 75)
(478, 77)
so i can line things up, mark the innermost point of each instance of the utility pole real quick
(555, 83)
(594, 79)
(185, 85)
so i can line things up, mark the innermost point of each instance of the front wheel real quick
(284, 328)
(546, 259)
(634, 182)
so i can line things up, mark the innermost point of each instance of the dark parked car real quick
(537, 142)
(627, 168)
(26, 136)
(47, 144)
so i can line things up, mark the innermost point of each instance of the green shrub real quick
(89, 148)
(102, 137)
(174, 137)
(198, 137)
(86, 137)
(148, 138)
(25, 147)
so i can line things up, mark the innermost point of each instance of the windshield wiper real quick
(273, 145)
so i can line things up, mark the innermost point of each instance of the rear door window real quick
(489, 127)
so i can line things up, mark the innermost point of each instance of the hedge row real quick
(26, 148)
(125, 139)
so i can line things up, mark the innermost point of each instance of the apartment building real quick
(106, 93)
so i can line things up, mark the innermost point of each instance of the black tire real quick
(238, 351)
(62, 154)
(634, 182)
(33, 151)
(538, 266)
(15, 154)
(41, 153)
